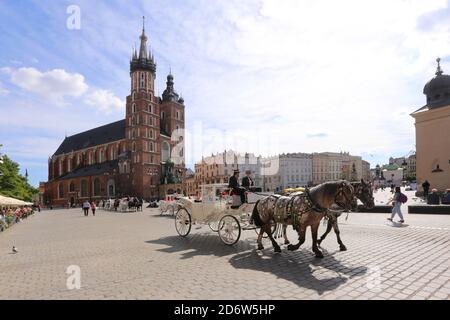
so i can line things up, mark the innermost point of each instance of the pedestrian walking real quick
(93, 207)
(397, 201)
(426, 189)
(86, 207)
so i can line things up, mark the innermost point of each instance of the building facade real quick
(141, 155)
(432, 123)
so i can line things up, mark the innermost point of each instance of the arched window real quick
(133, 96)
(162, 114)
(133, 148)
(83, 189)
(165, 152)
(72, 187)
(61, 190)
(133, 108)
(111, 188)
(149, 107)
(177, 115)
(142, 80)
(151, 134)
(134, 134)
(96, 187)
(151, 146)
(150, 121)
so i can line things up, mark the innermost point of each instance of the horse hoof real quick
(319, 255)
(260, 247)
(343, 248)
(292, 247)
(287, 242)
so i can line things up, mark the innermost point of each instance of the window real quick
(61, 191)
(165, 151)
(149, 109)
(112, 153)
(151, 134)
(96, 187)
(151, 146)
(177, 115)
(134, 134)
(133, 148)
(162, 114)
(72, 187)
(150, 121)
(142, 80)
(133, 96)
(133, 108)
(83, 188)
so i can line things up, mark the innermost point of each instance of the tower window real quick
(142, 80)
(133, 108)
(133, 148)
(133, 96)
(162, 115)
(150, 108)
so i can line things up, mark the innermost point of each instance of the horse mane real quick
(327, 188)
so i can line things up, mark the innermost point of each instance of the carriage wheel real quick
(183, 222)
(214, 225)
(229, 230)
(273, 228)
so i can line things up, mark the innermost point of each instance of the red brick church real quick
(141, 155)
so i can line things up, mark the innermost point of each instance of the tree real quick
(12, 184)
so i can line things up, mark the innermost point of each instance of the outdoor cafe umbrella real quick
(8, 201)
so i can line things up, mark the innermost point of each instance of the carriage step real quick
(249, 228)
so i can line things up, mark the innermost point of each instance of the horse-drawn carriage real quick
(220, 209)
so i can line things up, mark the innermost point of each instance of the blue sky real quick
(264, 76)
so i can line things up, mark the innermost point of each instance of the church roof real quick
(92, 170)
(94, 137)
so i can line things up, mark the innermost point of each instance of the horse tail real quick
(255, 216)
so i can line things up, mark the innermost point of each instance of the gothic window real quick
(133, 96)
(151, 159)
(72, 187)
(162, 114)
(149, 107)
(134, 134)
(83, 188)
(61, 191)
(151, 134)
(96, 187)
(151, 146)
(133, 147)
(177, 115)
(142, 80)
(165, 151)
(133, 108)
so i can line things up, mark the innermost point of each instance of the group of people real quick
(433, 197)
(86, 206)
(247, 184)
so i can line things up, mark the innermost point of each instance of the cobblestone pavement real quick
(140, 256)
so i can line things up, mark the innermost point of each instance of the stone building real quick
(141, 155)
(432, 123)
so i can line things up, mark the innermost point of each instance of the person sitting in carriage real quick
(247, 181)
(233, 184)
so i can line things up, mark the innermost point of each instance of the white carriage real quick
(219, 209)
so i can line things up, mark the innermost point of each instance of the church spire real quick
(143, 37)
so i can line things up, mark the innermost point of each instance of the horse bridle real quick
(347, 205)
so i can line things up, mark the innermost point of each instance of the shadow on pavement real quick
(299, 267)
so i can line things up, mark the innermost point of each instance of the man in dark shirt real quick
(426, 188)
(247, 181)
(234, 184)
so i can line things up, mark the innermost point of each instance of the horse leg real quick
(267, 228)
(314, 230)
(286, 240)
(337, 232)
(329, 226)
(301, 239)
(259, 240)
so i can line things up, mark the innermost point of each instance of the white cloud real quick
(54, 85)
(104, 100)
(3, 91)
